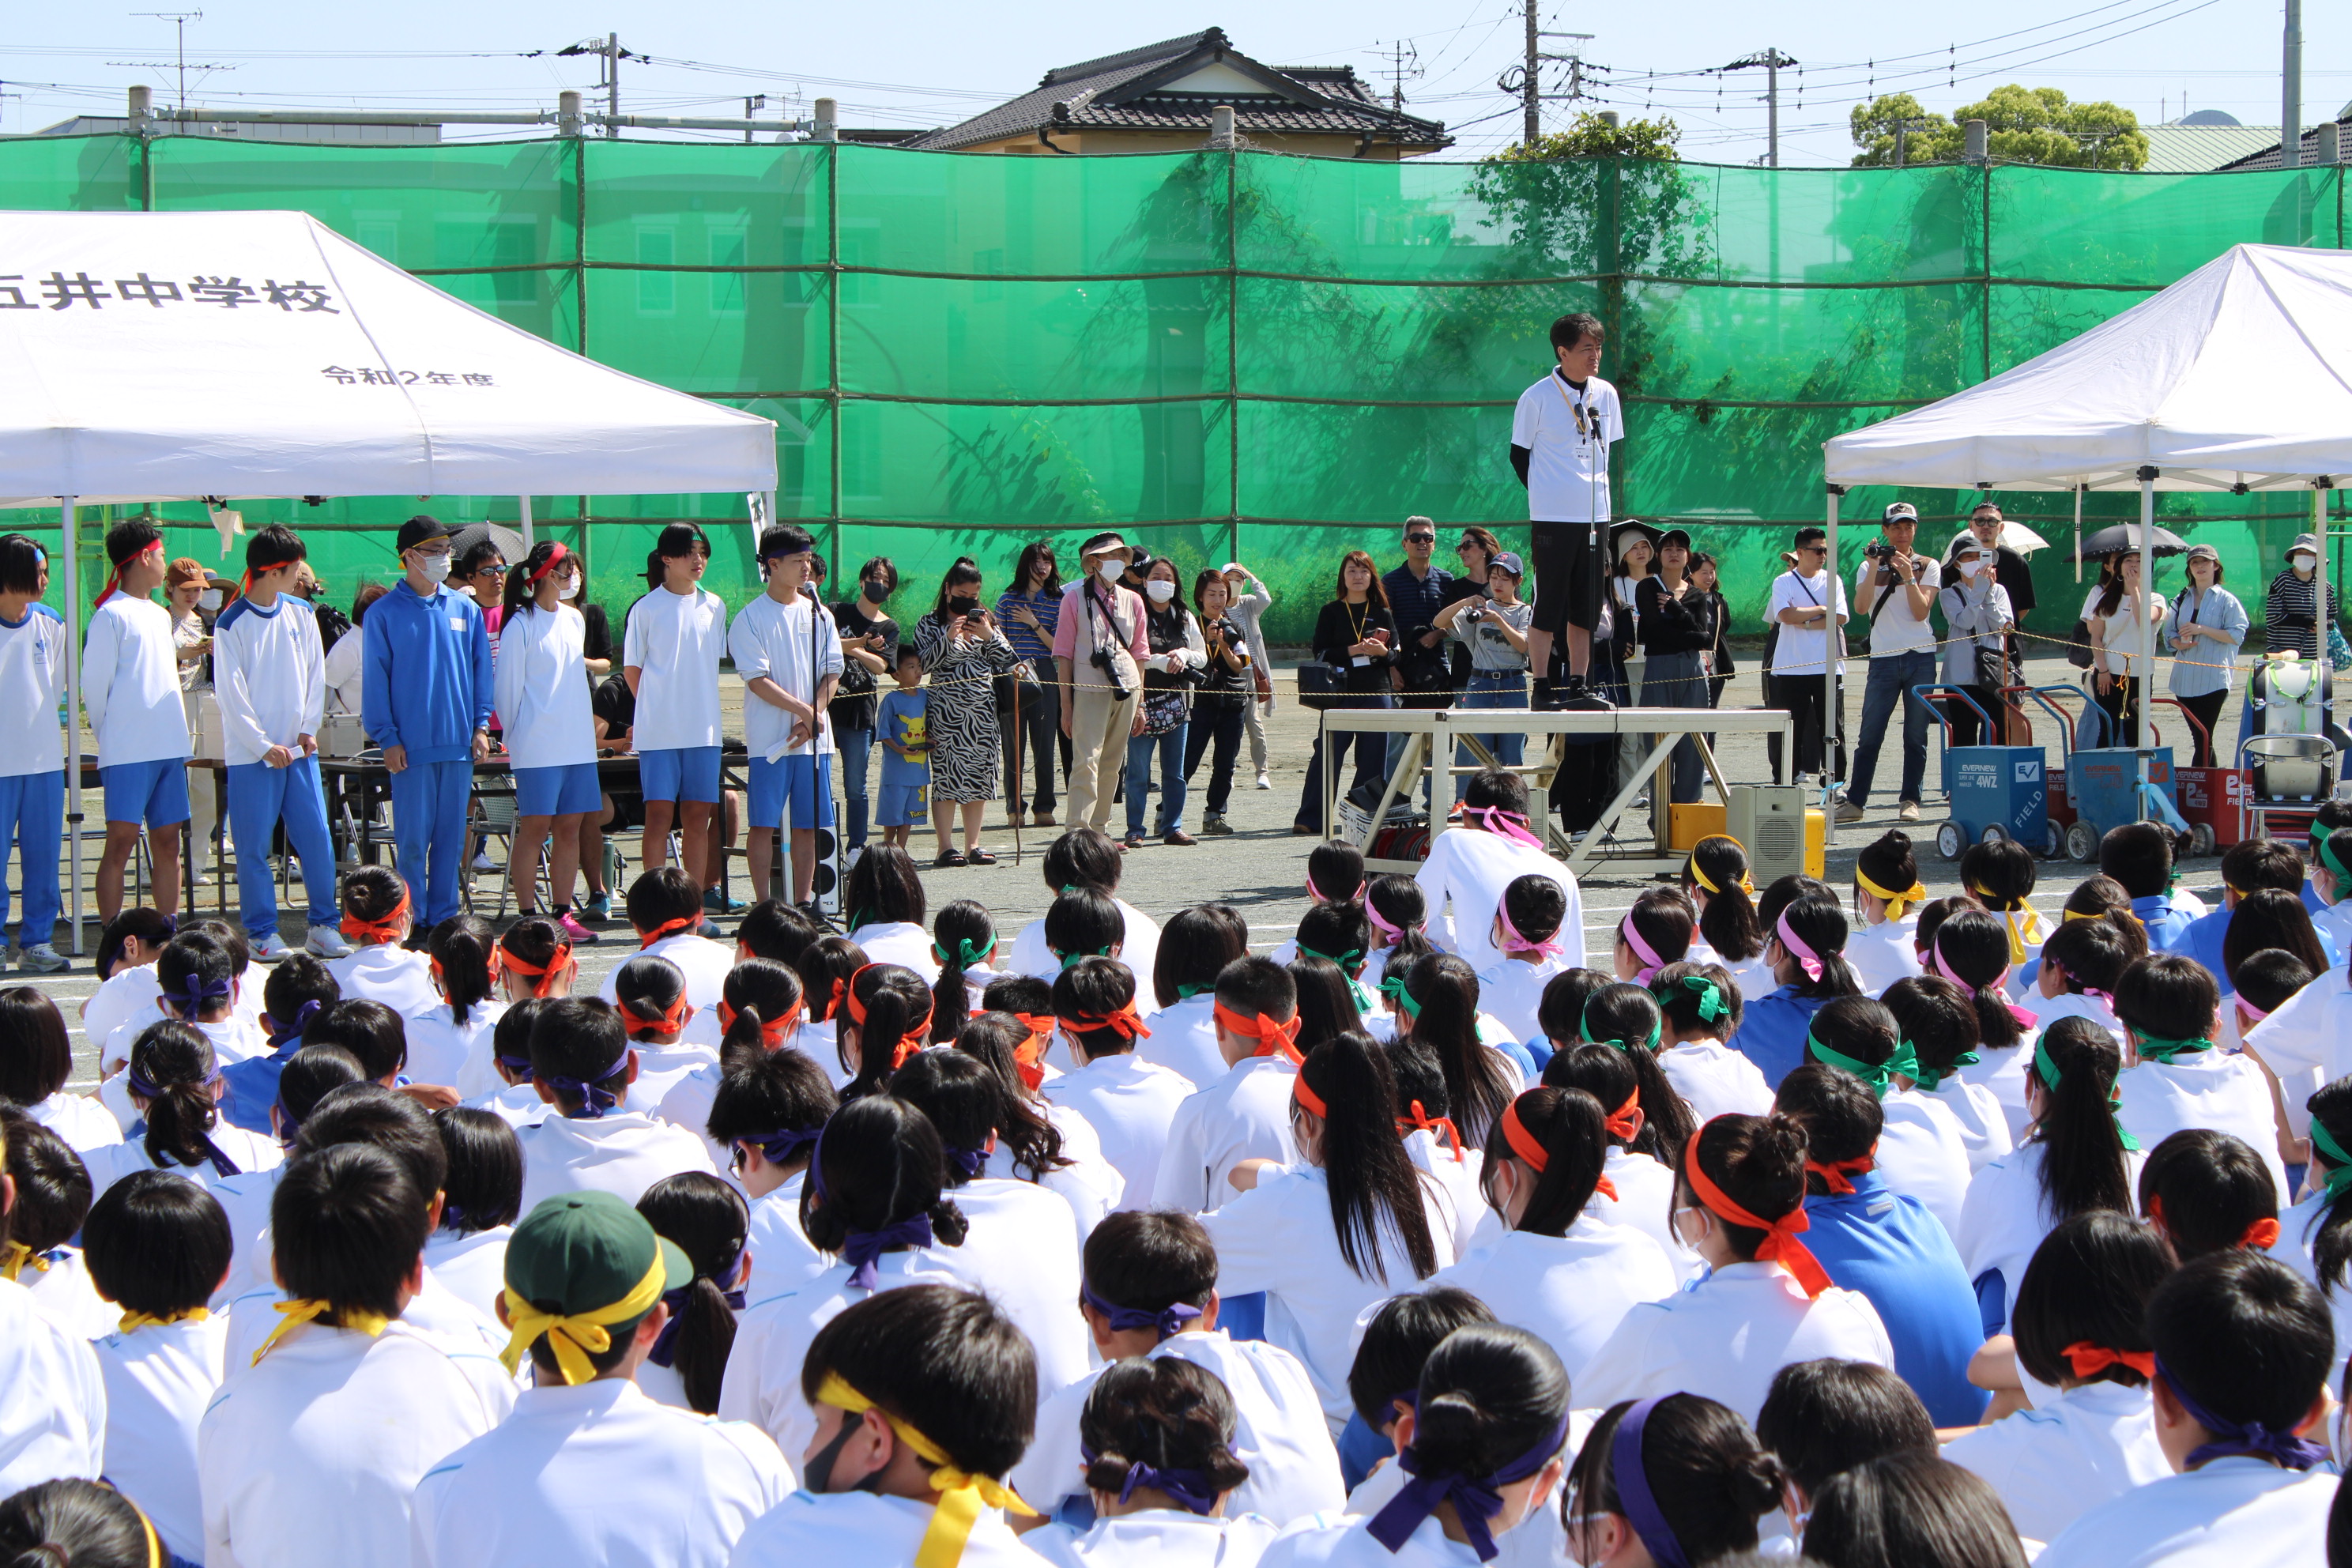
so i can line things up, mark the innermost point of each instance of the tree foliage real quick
(2024, 125)
(1590, 136)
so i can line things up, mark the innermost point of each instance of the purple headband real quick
(2230, 1436)
(190, 998)
(861, 1249)
(777, 1148)
(1641, 1506)
(145, 1088)
(295, 1030)
(1476, 1499)
(970, 1162)
(594, 1100)
(1170, 1319)
(664, 1347)
(1190, 1489)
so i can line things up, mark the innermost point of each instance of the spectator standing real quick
(963, 649)
(1028, 708)
(1898, 587)
(1416, 592)
(1705, 576)
(1678, 623)
(1561, 434)
(1977, 610)
(1099, 647)
(1178, 653)
(1478, 547)
(1227, 689)
(344, 686)
(869, 648)
(2290, 618)
(1801, 608)
(671, 644)
(2203, 631)
(1493, 622)
(1355, 634)
(32, 770)
(904, 725)
(1251, 600)
(2120, 670)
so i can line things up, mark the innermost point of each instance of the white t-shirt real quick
(1470, 867)
(1799, 649)
(270, 676)
(777, 641)
(1567, 470)
(53, 1423)
(343, 675)
(32, 678)
(1895, 629)
(159, 1379)
(131, 683)
(674, 641)
(541, 687)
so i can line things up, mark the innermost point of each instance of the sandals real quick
(950, 860)
(979, 858)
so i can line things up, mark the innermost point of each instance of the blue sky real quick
(923, 62)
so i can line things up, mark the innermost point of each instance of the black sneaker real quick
(817, 917)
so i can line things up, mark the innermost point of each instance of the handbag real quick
(1319, 686)
(1991, 667)
(2078, 646)
(2339, 652)
(1163, 711)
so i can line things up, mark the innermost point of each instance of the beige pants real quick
(1099, 727)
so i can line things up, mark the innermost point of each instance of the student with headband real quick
(36, 1062)
(1150, 1295)
(200, 979)
(2001, 875)
(1431, 1141)
(1970, 949)
(2205, 1192)
(297, 991)
(513, 1099)
(706, 1219)
(2140, 855)
(86, 1523)
(963, 945)
(873, 1201)
(2329, 872)
(1479, 1456)
(1196, 944)
(824, 967)
(656, 1014)
(923, 1399)
(1246, 1114)
(665, 909)
(130, 690)
(481, 1198)
(2076, 1158)
(884, 896)
(543, 694)
(587, 1456)
(1087, 857)
(175, 1083)
(1807, 954)
(1471, 862)
(1679, 1479)
(443, 1038)
(1873, 1237)
(761, 1014)
(44, 1223)
(1715, 879)
(1825, 1417)
(53, 1422)
(2090, 1434)
(1701, 1008)
(1887, 899)
(1922, 1151)
(2250, 867)
(1334, 876)
(1396, 908)
(1129, 1103)
(380, 923)
(1350, 1222)
(532, 960)
(1627, 1019)
(2299, 1040)
(1740, 1201)
(2171, 1010)
(2080, 965)
(2316, 1235)
(594, 1140)
(1557, 1269)
(1038, 1141)
(884, 1022)
(1436, 1002)
(1084, 923)
(2242, 1352)
(1910, 1510)
(1939, 1020)
(1339, 934)
(766, 1118)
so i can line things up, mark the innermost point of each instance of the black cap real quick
(419, 529)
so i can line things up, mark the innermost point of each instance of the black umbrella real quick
(2124, 538)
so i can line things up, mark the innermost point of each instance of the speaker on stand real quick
(1768, 821)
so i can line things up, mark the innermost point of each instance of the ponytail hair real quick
(1887, 861)
(521, 589)
(1663, 918)
(1707, 1476)
(1971, 949)
(1442, 1012)
(460, 950)
(173, 1069)
(1396, 908)
(2088, 1283)
(2083, 1149)
(1625, 1018)
(1346, 1082)
(1612, 1076)
(649, 994)
(824, 967)
(74, 1524)
(1490, 1396)
(963, 935)
(1821, 924)
(1566, 1129)
(675, 539)
(707, 1220)
(1326, 1002)
(896, 1008)
(1027, 1132)
(880, 1162)
(761, 999)
(1758, 1161)
(1717, 868)
(1681, 990)
(2331, 1145)
(1939, 1020)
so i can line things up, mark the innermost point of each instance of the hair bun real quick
(1898, 840)
(1755, 1487)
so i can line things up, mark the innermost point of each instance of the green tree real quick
(2026, 125)
(1590, 136)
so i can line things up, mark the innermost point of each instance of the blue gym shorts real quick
(903, 805)
(556, 792)
(686, 773)
(802, 783)
(156, 793)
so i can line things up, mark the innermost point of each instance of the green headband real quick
(970, 951)
(1711, 1005)
(1584, 1028)
(2339, 1163)
(1393, 985)
(1070, 958)
(2327, 858)
(2155, 1049)
(1188, 990)
(1353, 956)
(1931, 1078)
(1880, 1075)
(2047, 1071)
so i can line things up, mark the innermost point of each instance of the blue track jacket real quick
(425, 673)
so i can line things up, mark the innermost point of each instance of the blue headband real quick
(301, 1024)
(2230, 1436)
(192, 995)
(1476, 1499)
(1191, 1490)
(861, 1249)
(595, 1100)
(1641, 1506)
(1170, 1319)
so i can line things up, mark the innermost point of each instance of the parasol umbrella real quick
(2013, 536)
(2124, 536)
(509, 542)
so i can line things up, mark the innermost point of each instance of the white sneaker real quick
(269, 948)
(1264, 781)
(328, 942)
(482, 862)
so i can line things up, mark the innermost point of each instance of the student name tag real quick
(1359, 661)
(457, 623)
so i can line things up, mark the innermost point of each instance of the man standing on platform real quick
(1560, 435)
(1416, 592)
(1895, 588)
(425, 698)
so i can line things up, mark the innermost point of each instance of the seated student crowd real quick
(1419, 1241)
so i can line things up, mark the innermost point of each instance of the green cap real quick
(582, 1252)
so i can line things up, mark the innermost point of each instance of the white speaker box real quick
(1769, 820)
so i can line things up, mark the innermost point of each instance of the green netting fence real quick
(1232, 354)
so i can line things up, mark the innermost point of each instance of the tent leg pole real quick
(1833, 705)
(69, 531)
(2148, 623)
(530, 535)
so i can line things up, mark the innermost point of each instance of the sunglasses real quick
(1420, 539)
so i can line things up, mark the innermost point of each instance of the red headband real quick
(909, 1043)
(546, 972)
(682, 922)
(1029, 1055)
(2089, 1359)
(114, 577)
(1308, 1096)
(2261, 1236)
(1126, 1020)
(1273, 1038)
(668, 1021)
(245, 583)
(1420, 1121)
(772, 1031)
(1620, 1124)
(1835, 1174)
(1523, 1143)
(557, 555)
(384, 929)
(1779, 1244)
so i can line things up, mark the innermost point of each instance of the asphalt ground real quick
(1261, 869)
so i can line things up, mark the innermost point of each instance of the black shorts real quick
(1567, 576)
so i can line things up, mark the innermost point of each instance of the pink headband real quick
(2256, 1014)
(1651, 961)
(1809, 961)
(1549, 947)
(1389, 933)
(1317, 894)
(2025, 1020)
(1514, 824)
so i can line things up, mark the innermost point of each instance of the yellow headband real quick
(133, 1320)
(1704, 880)
(961, 1494)
(302, 1311)
(154, 1542)
(13, 1258)
(1896, 903)
(2082, 915)
(576, 1336)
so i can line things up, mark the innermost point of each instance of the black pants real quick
(1802, 695)
(1222, 725)
(2121, 702)
(1967, 728)
(1029, 714)
(2206, 712)
(1371, 758)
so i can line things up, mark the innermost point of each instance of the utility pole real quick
(1903, 133)
(2291, 89)
(1405, 63)
(1772, 60)
(757, 101)
(1531, 88)
(609, 49)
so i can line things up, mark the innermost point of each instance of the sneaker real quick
(599, 907)
(1847, 811)
(715, 902)
(482, 861)
(1265, 780)
(817, 917)
(327, 943)
(856, 853)
(269, 948)
(1215, 825)
(418, 940)
(708, 931)
(580, 934)
(1042, 819)
(1907, 812)
(40, 958)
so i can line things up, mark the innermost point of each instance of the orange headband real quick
(684, 923)
(1835, 1174)
(772, 1031)
(1620, 1122)
(1523, 1143)
(1127, 1021)
(546, 972)
(1308, 1096)
(2089, 1359)
(669, 1021)
(245, 583)
(1029, 1055)
(1272, 1039)
(378, 930)
(2261, 1236)
(1420, 1122)
(909, 1043)
(1779, 1244)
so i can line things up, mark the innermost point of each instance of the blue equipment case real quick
(2109, 785)
(1996, 791)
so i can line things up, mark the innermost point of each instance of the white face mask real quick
(2303, 560)
(568, 589)
(432, 568)
(1160, 592)
(1110, 570)
(1973, 568)
(210, 599)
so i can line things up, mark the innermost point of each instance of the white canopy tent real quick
(173, 356)
(2237, 378)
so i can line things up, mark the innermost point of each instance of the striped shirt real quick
(2287, 618)
(1029, 644)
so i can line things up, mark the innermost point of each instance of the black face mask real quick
(818, 1470)
(963, 605)
(875, 592)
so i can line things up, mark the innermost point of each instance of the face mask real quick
(209, 599)
(1160, 591)
(1973, 568)
(569, 589)
(432, 568)
(875, 592)
(2302, 562)
(1110, 570)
